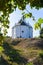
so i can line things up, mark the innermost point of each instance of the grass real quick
(19, 51)
(29, 63)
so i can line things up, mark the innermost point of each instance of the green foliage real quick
(1, 48)
(38, 23)
(1, 38)
(30, 63)
(10, 5)
(41, 55)
(41, 33)
(4, 24)
(28, 15)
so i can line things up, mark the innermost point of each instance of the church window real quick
(22, 31)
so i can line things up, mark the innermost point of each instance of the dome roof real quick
(22, 22)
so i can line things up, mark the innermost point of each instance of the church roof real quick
(22, 22)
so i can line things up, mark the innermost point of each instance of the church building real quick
(22, 30)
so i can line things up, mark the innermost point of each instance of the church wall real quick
(22, 31)
(12, 33)
(31, 33)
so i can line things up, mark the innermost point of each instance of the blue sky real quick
(16, 16)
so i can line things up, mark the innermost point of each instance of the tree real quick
(8, 6)
(38, 23)
(41, 33)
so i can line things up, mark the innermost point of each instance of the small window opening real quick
(22, 31)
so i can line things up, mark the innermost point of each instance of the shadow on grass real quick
(3, 61)
(16, 42)
(13, 54)
(39, 44)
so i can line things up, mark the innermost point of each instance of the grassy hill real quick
(22, 52)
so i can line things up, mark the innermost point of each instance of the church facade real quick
(22, 30)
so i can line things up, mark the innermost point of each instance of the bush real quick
(30, 63)
(41, 33)
(41, 55)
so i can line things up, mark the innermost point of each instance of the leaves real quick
(1, 49)
(10, 5)
(40, 20)
(37, 25)
(41, 33)
(28, 15)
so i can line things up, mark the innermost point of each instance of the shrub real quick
(41, 33)
(30, 63)
(41, 55)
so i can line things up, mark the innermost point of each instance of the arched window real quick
(22, 31)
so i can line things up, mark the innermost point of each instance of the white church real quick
(22, 30)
